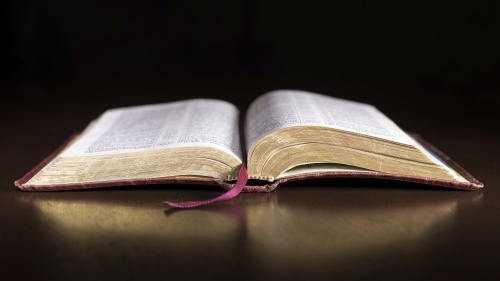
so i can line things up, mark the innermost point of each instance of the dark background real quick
(366, 48)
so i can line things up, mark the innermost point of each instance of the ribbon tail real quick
(230, 194)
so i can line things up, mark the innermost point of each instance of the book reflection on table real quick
(337, 225)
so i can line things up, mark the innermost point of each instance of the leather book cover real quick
(471, 185)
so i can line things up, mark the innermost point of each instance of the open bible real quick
(285, 135)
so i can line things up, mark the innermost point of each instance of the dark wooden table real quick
(326, 229)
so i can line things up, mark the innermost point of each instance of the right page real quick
(286, 108)
(291, 131)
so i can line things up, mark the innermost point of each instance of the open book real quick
(286, 135)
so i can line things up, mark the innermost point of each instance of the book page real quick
(198, 122)
(287, 108)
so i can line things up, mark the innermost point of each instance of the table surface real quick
(347, 229)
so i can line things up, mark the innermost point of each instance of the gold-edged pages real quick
(287, 132)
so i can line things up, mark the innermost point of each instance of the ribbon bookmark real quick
(230, 194)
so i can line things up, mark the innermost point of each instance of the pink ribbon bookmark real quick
(233, 192)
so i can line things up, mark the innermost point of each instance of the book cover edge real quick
(471, 185)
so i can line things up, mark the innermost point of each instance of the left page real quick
(185, 139)
(198, 122)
